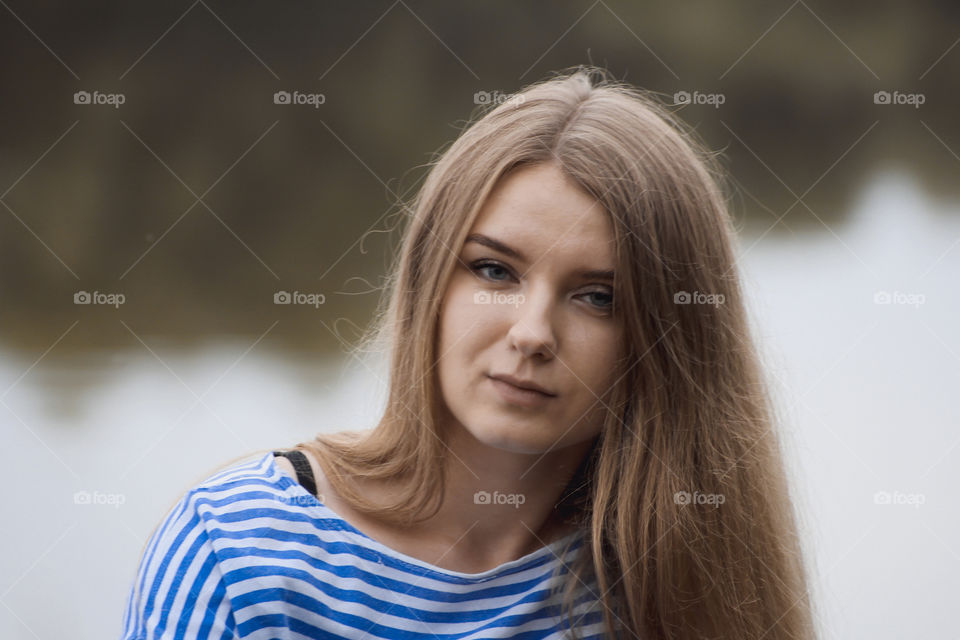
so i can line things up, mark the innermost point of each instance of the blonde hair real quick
(689, 413)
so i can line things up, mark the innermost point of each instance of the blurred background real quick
(200, 202)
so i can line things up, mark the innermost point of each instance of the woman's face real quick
(522, 303)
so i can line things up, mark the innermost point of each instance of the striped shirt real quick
(250, 553)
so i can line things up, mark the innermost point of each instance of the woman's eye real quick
(496, 272)
(490, 270)
(604, 299)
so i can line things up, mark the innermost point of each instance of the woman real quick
(577, 441)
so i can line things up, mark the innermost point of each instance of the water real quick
(866, 391)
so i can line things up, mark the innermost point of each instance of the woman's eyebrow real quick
(487, 241)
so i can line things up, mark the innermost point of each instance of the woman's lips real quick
(517, 396)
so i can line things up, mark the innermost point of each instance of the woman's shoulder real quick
(196, 533)
(286, 466)
(251, 477)
(251, 466)
(248, 489)
(324, 491)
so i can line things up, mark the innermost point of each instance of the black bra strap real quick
(302, 467)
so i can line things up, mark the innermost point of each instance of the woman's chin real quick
(515, 439)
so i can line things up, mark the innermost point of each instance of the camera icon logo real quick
(881, 97)
(281, 97)
(482, 297)
(81, 297)
(281, 297)
(681, 97)
(82, 497)
(81, 97)
(481, 497)
(681, 297)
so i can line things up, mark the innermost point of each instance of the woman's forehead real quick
(536, 203)
(592, 257)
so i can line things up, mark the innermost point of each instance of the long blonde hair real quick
(683, 500)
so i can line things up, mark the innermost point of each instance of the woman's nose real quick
(532, 331)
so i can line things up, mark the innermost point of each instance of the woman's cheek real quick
(465, 326)
(601, 359)
(456, 306)
(608, 373)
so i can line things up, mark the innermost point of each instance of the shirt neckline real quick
(309, 500)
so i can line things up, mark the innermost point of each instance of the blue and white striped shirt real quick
(250, 553)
